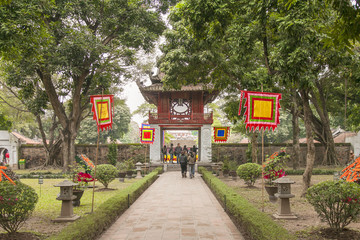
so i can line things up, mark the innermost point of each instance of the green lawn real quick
(48, 207)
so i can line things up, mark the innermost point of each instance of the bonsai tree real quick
(105, 174)
(225, 166)
(121, 166)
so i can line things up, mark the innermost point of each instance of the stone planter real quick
(129, 173)
(233, 174)
(122, 176)
(78, 194)
(271, 190)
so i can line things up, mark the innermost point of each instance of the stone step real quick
(173, 167)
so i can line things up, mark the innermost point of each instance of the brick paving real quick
(174, 208)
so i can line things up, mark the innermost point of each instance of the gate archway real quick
(180, 109)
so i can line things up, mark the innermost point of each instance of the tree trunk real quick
(321, 109)
(254, 147)
(296, 131)
(310, 156)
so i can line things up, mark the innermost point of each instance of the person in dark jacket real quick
(163, 153)
(178, 152)
(171, 152)
(183, 163)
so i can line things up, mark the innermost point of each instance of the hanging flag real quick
(145, 125)
(147, 135)
(221, 134)
(262, 109)
(102, 108)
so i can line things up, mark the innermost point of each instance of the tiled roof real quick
(25, 140)
(159, 87)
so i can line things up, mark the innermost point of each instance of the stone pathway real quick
(174, 208)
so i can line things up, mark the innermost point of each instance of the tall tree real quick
(242, 44)
(71, 49)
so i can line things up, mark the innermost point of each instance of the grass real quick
(49, 208)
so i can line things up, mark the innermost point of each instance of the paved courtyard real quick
(174, 208)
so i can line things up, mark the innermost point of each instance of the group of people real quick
(184, 156)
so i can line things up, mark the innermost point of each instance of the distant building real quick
(11, 142)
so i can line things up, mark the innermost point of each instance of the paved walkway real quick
(174, 208)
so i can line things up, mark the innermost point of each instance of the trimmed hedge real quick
(256, 224)
(93, 225)
(44, 175)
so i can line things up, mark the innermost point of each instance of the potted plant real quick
(122, 168)
(79, 176)
(232, 169)
(274, 169)
(129, 167)
(225, 168)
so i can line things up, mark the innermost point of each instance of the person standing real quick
(186, 150)
(194, 149)
(183, 163)
(171, 152)
(7, 157)
(164, 153)
(178, 152)
(192, 158)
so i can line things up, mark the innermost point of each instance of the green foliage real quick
(92, 225)
(258, 225)
(112, 155)
(336, 202)
(233, 165)
(5, 124)
(249, 172)
(121, 119)
(105, 173)
(225, 166)
(17, 202)
(124, 166)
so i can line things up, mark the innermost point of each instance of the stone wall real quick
(35, 154)
(237, 152)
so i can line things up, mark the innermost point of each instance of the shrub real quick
(105, 173)
(16, 204)
(336, 202)
(249, 172)
(112, 155)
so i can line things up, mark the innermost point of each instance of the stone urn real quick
(271, 190)
(233, 174)
(78, 194)
(129, 173)
(122, 176)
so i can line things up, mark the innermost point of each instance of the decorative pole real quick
(96, 157)
(262, 164)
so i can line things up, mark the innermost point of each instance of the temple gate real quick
(180, 109)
